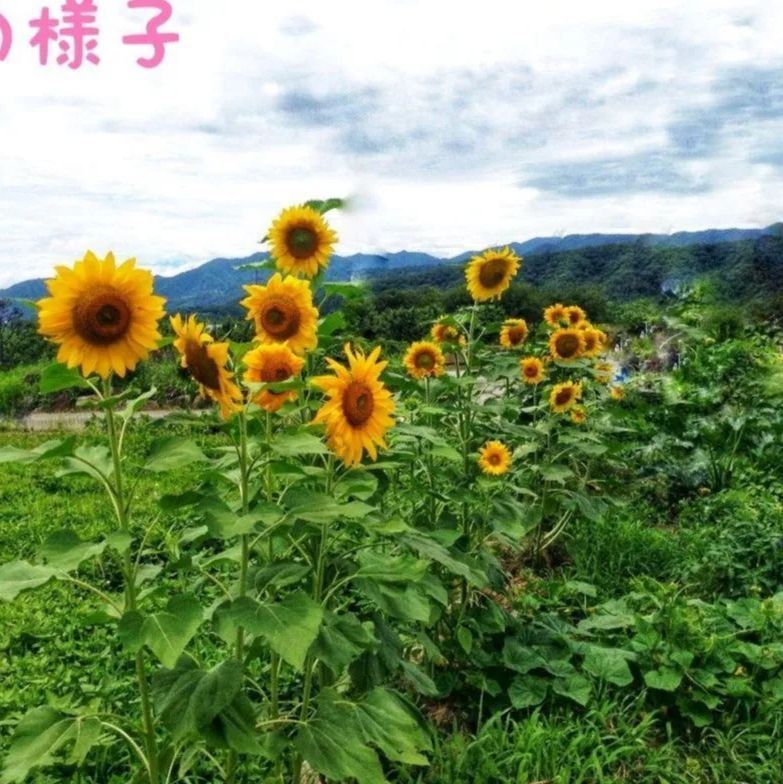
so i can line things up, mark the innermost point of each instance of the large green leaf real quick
(57, 377)
(405, 602)
(575, 687)
(314, 507)
(610, 664)
(663, 679)
(173, 453)
(290, 626)
(225, 523)
(46, 451)
(334, 744)
(457, 564)
(41, 736)
(166, 633)
(341, 639)
(390, 724)
(386, 568)
(301, 443)
(18, 576)
(526, 691)
(95, 461)
(64, 550)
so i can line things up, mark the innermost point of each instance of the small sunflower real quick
(513, 333)
(567, 344)
(564, 397)
(574, 315)
(532, 369)
(301, 241)
(617, 393)
(555, 315)
(604, 372)
(104, 317)
(494, 458)
(578, 415)
(489, 274)
(448, 334)
(283, 312)
(269, 364)
(207, 362)
(424, 359)
(595, 341)
(359, 408)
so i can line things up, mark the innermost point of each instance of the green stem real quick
(121, 508)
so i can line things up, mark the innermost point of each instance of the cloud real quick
(490, 123)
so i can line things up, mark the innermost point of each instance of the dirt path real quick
(71, 420)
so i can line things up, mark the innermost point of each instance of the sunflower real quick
(595, 340)
(494, 458)
(104, 317)
(617, 393)
(578, 415)
(447, 333)
(532, 369)
(206, 361)
(574, 314)
(604, 372)
(424, 359)
(513, 333)
(555, 315)
(564, 397)
(359, 409)
(302, 241)
(269, 364)
(283, 312)
(567, 344)
(489, 274)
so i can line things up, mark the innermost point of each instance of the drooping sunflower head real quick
(617, 393)
(513, 333)
(104, 317)
(489, 274)
(447, 333)
(578, 415)
(424, 360)
(574, 314)
(283, 312)
(301, 241)
(567, 344)
(207, 363)
(494, 458)
(595, 341)
(532, 370)
(555, 315)
(565, 396)
(604, 372)
(358, 410)
(270, 364)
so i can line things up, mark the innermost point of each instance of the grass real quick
(53, 646)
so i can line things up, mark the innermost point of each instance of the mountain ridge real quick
(218, 282)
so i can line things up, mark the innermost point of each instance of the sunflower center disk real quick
(302, 242)
(493, 273)
(202, 367)
(425, 361)
(275, 375)
(516, 335)
(102, 317)
(494, 459)
(563, 397)
(280, 318)
(568, 346)
(358, 403)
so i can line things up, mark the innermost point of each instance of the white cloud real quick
(455, 125)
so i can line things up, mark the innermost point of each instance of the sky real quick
(449, 126)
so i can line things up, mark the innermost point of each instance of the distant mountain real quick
(218, 283)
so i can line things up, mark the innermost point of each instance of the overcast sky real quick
(452, 125)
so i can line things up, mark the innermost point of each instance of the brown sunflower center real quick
(564, 396)
(516, 335)
(591, 341)
(102, 316)
(567, 346)
(424, 360)
(531, 370)
(202, 367)
(301, 242)
(280, 317)
(493, 273)
(358, 403)
(275, 374)
(494, 459)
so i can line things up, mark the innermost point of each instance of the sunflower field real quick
(514, 551)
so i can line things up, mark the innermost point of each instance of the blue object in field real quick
(622, 375)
